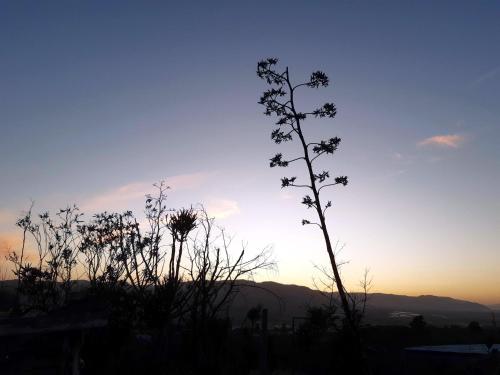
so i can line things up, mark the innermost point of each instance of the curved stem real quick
(340, 287)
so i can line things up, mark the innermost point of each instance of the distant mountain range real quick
(495, 307)
(287, 301)
(284, 302)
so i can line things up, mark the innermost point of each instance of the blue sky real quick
(98, 100)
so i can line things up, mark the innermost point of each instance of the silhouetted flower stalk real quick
(279, 100)
(181, 223)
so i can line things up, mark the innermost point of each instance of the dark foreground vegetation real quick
(94, 334)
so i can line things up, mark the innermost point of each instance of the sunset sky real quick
(101, 99)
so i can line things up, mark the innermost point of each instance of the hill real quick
(287, 301)
(284, 302)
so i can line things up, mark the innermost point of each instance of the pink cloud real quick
(222, 208)
(450, 140)
(120, 197)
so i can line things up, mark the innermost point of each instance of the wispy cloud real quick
(222, 208)
(449, 141)
(487, 76)
(402, 159)
(120, 197)
(397, 156)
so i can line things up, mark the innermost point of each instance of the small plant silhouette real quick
(418, 323)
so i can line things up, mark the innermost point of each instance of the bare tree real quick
(101, 248)
(47, 282)
(17, 258)
(214, 272)
(215, 275)
(358, 300)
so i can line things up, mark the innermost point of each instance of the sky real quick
(99, 100)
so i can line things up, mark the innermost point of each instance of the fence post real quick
(264, 345)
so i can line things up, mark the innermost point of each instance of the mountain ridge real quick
(378, 299)
(287, 301)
